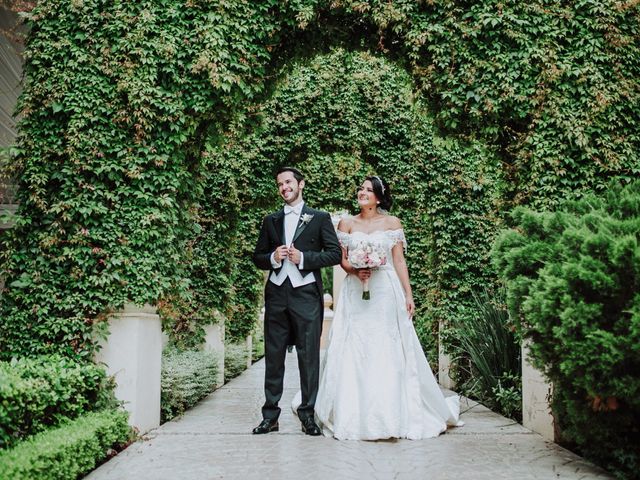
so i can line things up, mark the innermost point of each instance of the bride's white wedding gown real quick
(375, 380)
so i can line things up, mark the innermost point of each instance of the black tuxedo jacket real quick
(316, 239)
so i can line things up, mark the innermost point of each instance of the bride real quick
(376, 382)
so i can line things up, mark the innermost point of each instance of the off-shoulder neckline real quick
(372, 232)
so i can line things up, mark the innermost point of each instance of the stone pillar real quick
(214, 342)
(132, 354)
(444, 364)
(536, 393)
(326, 320)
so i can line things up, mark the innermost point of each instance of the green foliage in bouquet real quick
(573, 282)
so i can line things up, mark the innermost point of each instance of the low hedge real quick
(257, 346)
(187, 377)
(36, 393)
(235, 360)
(67, 451)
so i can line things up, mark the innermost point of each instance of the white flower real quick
(305, 218)
(367, 255)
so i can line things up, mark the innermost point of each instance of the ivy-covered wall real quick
(124, 101)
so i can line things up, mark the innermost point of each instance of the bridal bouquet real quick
(367, 255)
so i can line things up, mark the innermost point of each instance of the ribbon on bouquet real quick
(365, 290)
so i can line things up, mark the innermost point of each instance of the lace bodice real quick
(386, 238)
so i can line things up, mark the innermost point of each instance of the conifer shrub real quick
(573, 282)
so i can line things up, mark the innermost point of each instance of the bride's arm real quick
(400, 265)
(346, 266)
(403, 274)
(362, 273)
(345, 226)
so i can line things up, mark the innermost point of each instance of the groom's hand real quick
(281, 253)
(294, 255)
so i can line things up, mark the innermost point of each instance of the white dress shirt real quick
(290, 269)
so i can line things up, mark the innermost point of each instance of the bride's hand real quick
(411, 307)
(363, 273)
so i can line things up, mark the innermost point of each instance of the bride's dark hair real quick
(382, 191)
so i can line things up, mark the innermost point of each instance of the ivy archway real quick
(121, 99)
(339, 117)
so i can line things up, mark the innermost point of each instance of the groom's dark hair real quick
(297, 174)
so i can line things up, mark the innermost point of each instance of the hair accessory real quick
(381, 184)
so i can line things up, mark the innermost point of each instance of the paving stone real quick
(214, 441)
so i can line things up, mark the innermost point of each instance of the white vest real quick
(289, 269)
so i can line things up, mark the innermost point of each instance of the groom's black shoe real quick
(310, 428)
(266, 426)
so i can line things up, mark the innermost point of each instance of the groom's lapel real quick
(301, 225)
(278, 223)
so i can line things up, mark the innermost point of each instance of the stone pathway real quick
(214, 441)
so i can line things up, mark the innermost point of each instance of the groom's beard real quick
(294, 198)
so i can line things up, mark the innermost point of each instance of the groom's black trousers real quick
(292, 313)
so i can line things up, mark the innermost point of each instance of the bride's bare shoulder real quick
(392, 223)
(346, 224)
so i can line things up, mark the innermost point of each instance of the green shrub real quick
(491, 351)
(187, 377)
(507, 395)
(257, 347)
(39, 392)
(67, 451)
(235, 360)
(573, 280)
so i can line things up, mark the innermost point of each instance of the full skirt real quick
(375, 380)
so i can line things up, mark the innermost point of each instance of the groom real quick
(294, 244)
